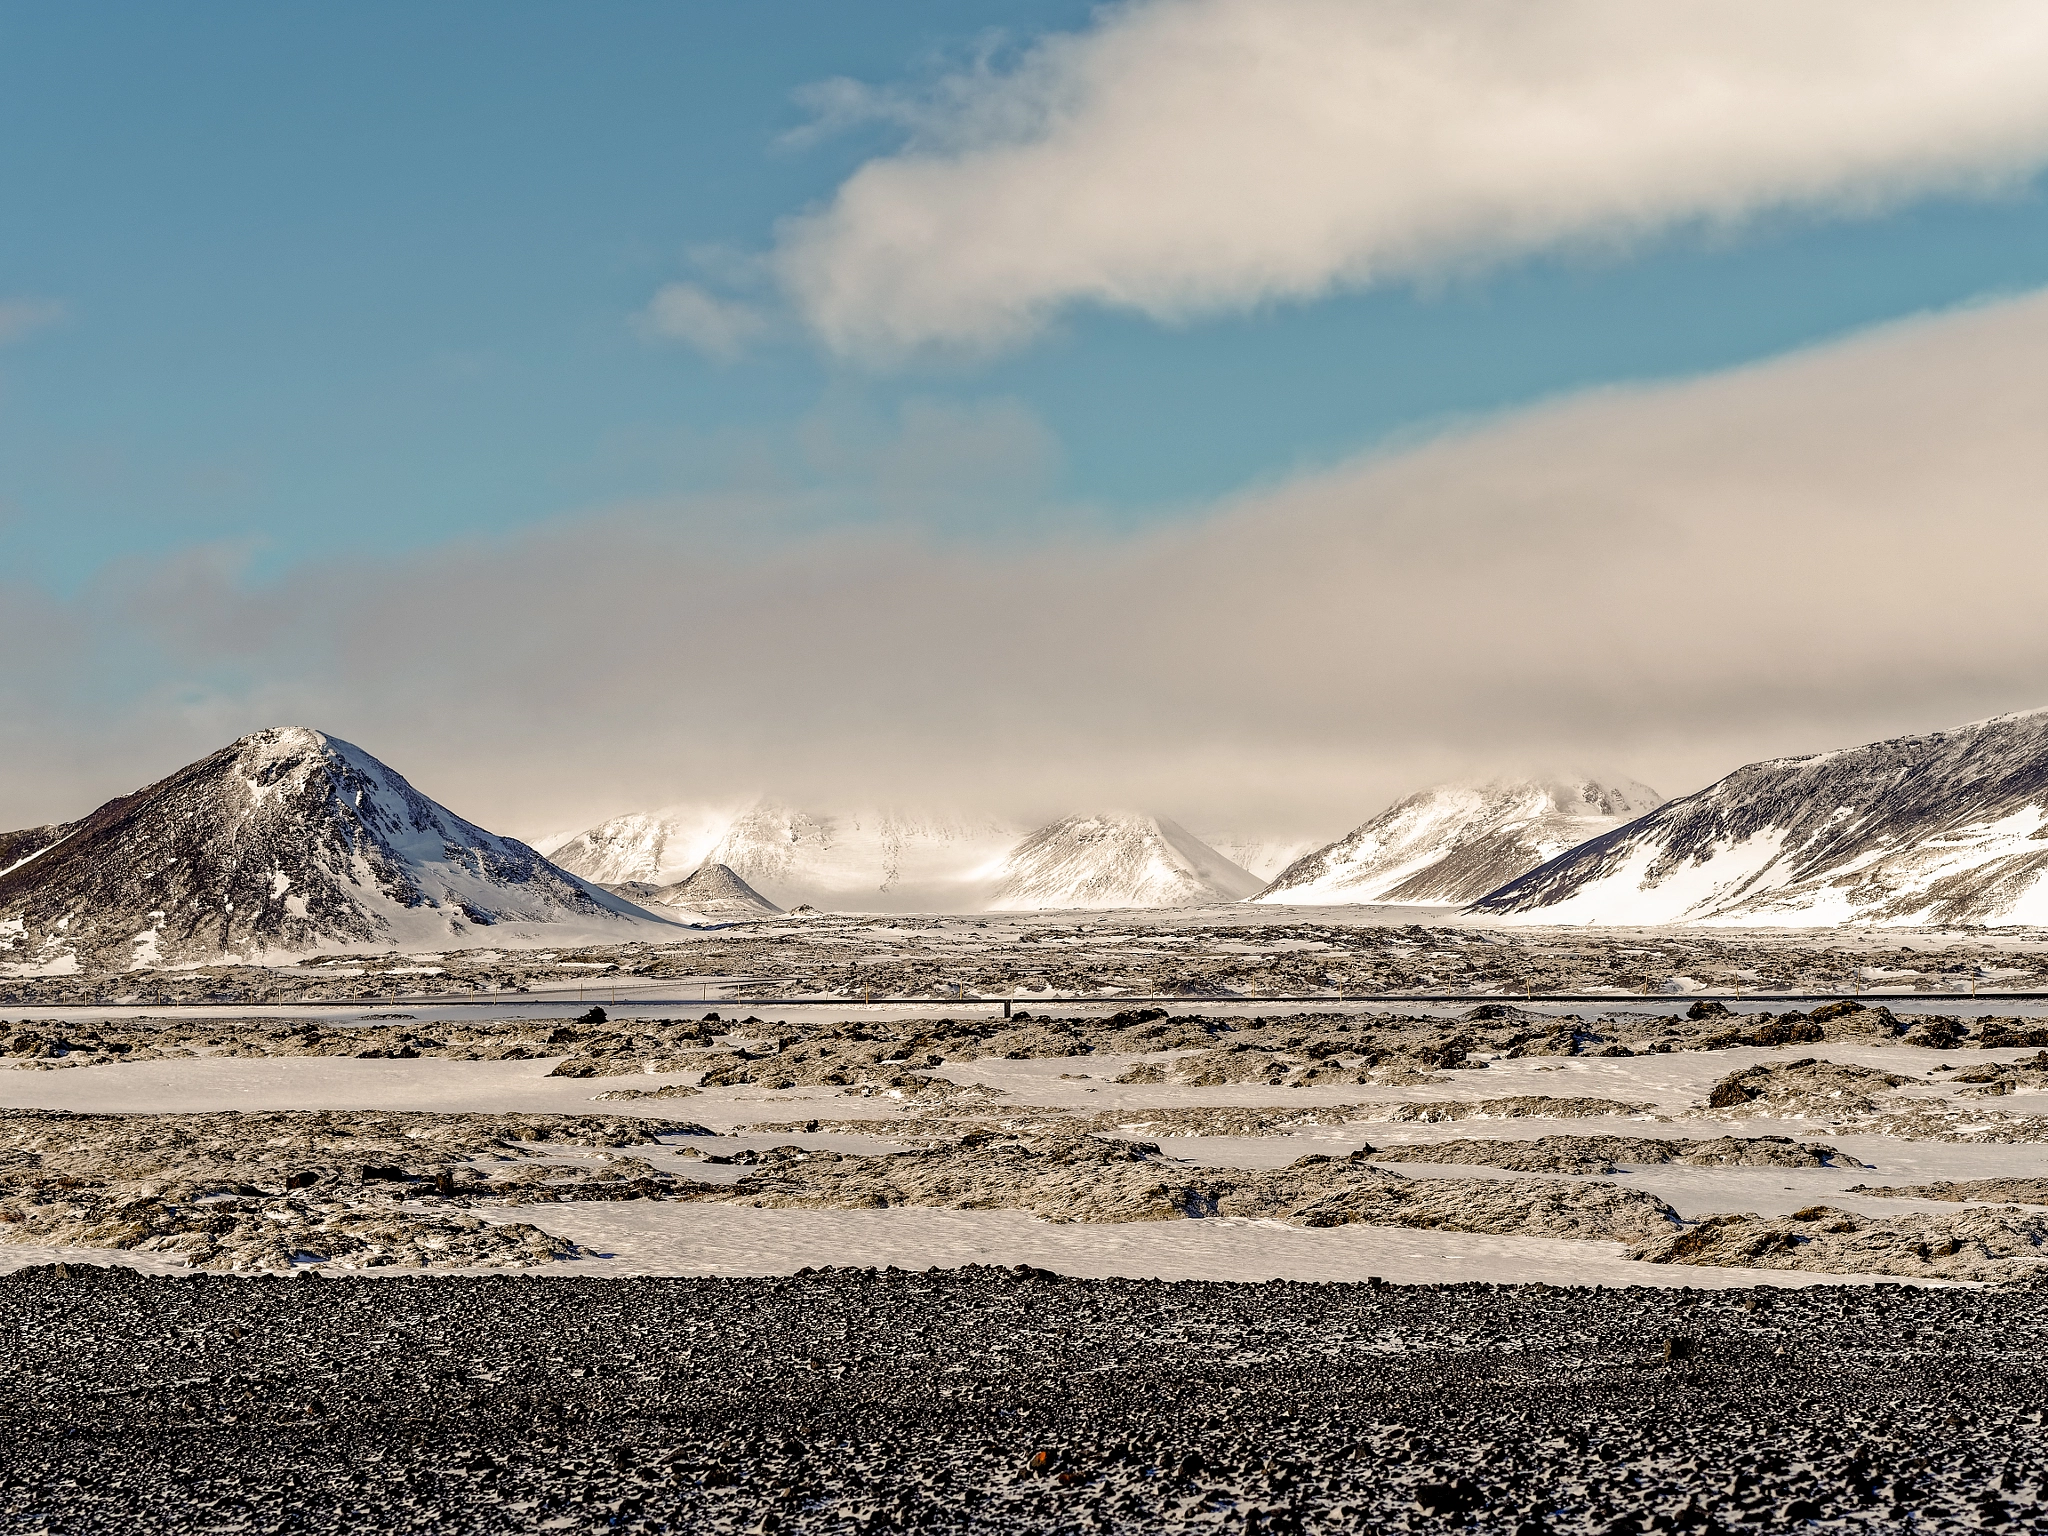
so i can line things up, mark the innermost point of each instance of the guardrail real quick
(1120, 1000)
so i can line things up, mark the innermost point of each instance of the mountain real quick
(710, 891)
(652, 847)
(1457, 842)
(1946, 828)
(286, 842)
(1115, 861)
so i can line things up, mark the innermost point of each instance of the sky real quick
(1249, 410)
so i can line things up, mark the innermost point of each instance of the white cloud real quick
(1825, 549)
(22, 317)
(689, 313)
(1188, 156)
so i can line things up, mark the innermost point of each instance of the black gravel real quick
(990, 1400)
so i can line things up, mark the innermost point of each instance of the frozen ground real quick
(843, 1092)
(1235, 952)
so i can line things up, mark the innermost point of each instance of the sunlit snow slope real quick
(1457, 842)
(286, 842)
(1126, 860)
(1947, 828)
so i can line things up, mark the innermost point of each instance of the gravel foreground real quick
(998, 1401)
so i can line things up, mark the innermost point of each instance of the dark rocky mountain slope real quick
(1945, 828)
(288, 841)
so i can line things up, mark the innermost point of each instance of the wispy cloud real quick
(1180, 157)
(697, 317)
(24, 317)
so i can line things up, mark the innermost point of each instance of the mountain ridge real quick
(1454, 843)
(1943, 827)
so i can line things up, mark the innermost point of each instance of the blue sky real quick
(337, 293)
(367, 276)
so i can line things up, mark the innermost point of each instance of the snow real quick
(1635, 896)
(652, 1238)
(1922, 830)
(659, 847)
(655, 1237)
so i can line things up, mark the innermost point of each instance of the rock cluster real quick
(272, 1191)
(1982, 1243)
(1089, 1178)
(1609, 1154)
(1803, 1087)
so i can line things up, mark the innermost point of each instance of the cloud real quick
(692, 314)
(24, 317)
(1667, 581)
(1183, 157)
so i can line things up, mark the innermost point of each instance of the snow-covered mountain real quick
(1457, 842)
(1124, 860)
(1947, 828)
(712, 890)
(286, 842)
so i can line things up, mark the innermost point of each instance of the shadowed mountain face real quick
(1947, 828)
(288, 841)
(17, 848)
(1456, 842)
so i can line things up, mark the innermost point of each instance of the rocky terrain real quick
(1290, 1049)
(268, 1192)
(987, 1401)
(1245, 955)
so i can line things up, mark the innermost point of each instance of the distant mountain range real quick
(285, 842)
(1454, 843)
(290, 841)
(1946, 828)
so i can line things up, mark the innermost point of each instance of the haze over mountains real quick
(901, 860)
